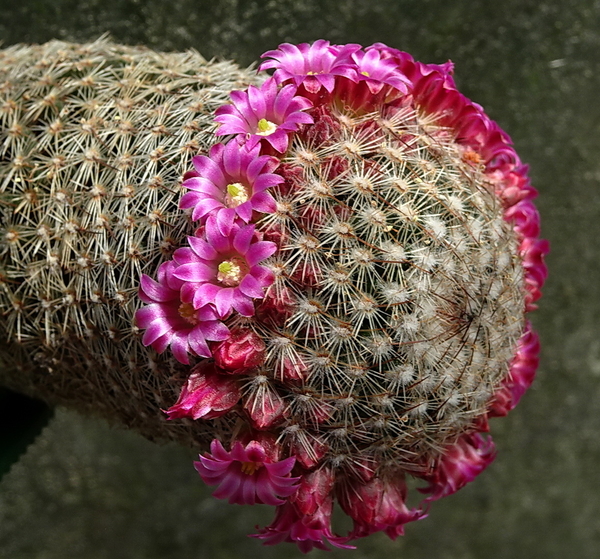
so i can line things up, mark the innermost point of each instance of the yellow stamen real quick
(249, 468)
(471, 156)
(365, 74)
(231, 272)
(188, 313)
(236, 195)
(265, 127)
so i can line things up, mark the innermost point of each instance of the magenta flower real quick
(247, 475)
(532, 251)
(231, 182)
(460, 464)
(223, 271)
(170, 321)
(521, 374)
(376, 72)
(525, 217)
(377, 505)
(307, 531)
(265, 113)
(206, 394)
(315, 66)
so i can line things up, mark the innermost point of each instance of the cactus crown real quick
(394, 308)
(408, 292)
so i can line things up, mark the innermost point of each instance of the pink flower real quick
(520, 376)
(265, 113)
(525, 217)
(307, 531)
(222, 270)
(315, 488)
(170, 321)
(533, 251)
(231, 182)
(247, 475)
(408, 64)
(314, 66)
(461, 463)
(206, 394)
(377, 72)
(243, 351)
(377, 505)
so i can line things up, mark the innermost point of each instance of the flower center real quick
(188, 313)
(249, 468)
(231, 272)
(365, 73)
(265, 127)
(236, 194)
(471, 156)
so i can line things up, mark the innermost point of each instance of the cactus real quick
(350, 305)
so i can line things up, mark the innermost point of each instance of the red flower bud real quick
(265, 406)
(461, 463)
(324, 127)
(276, 307)
(243, 351)
(307, 448)
(293, 175)
(314, 489)
(377, 505)
(294, 369)
(206, 394)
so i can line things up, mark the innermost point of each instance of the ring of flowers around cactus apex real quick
(366, 253)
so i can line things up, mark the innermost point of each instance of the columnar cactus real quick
(349, 306)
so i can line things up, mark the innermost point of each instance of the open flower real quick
(377, 72)
(230, 182)
(223, 271)
(315, 66)
(169, 321)
(247, 475)
(265, 113)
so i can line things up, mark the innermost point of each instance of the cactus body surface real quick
(94, 142)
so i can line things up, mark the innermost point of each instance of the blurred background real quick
(84, 490)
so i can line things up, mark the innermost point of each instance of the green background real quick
(85, 491)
